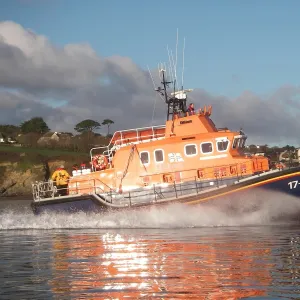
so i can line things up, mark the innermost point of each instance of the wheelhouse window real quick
(239, 142)
(190, 150)
(242, 143)
(159, 155)
(222, 146)
(145, 157)
(235, 143)
(206, 147)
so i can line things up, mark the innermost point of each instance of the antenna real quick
(176, 100)
(155, 97)
(183, 63)
(174, 80)
(176, 59)
(170, 64)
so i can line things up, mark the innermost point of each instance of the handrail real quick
(157, 192)
(135, 129)
(89, 179)
(97, 179)
(107, 150)
(138, 139)
(48, 189)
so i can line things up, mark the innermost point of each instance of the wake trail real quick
(260, 209)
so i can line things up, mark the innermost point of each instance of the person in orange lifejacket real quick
(191, 109)
(61, 178)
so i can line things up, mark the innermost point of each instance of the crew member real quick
(61, 177)
(191, 109)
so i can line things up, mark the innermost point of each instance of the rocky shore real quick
(19, 170)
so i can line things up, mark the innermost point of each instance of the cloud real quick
(33, 70)
(270, 119)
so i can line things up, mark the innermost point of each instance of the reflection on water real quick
(116, 263)
(201, 263)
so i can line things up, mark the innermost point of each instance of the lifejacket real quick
(60, 176)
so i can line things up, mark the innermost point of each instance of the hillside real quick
(20, 167)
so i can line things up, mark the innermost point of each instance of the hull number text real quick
(293, 184)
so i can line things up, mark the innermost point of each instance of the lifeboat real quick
(187, 160)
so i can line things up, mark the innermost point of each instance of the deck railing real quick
(45, 190)
(49, 189)
(137, 131)
(160, 191)
(123, 140)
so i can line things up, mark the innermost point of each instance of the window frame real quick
(149, 159)
(223, 140)
(190, 155)
(154, 156)
(207, 153)
(236, 143)
(239, 142)
(242, 143)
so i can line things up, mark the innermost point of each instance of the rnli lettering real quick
(175, 157)
(216, 172)
(243, 168)
(232, 170)
(146, 180)
(223, 171)
(168, 178)
(220, 172)
(200, 173)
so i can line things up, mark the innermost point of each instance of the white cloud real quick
(33, 70)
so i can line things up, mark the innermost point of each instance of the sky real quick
(71, 60)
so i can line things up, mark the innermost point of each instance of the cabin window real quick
(190, 150)
(159, 155)
(239, 143)
(242, 143)
(206, 147)
(145, 157)
(222, 145)
(235, 143)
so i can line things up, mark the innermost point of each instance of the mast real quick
(176, 101)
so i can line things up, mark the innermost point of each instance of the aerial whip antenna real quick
(155, 97)
(182, 63)
(176, 57)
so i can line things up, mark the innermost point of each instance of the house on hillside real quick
(50, 138)
(6, 139)
(2, 138)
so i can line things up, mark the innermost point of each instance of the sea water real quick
(175, 252)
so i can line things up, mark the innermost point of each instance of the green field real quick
(44, 152)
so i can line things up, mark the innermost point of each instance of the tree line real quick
(29, 132)
(38, 125)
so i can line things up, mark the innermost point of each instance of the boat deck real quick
(156, 194)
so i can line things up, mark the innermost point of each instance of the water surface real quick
(171, 253)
